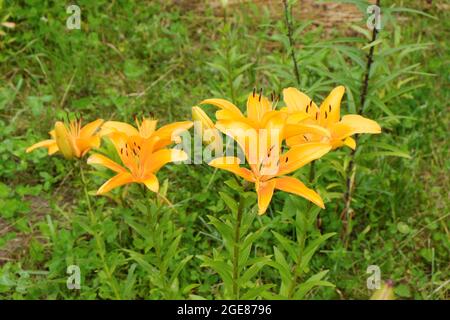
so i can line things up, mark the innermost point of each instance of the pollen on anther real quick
(326, 114)
(317, 115)
(260, 94)
(254, 92)
(329, 108)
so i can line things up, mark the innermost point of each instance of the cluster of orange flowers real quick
(305, 131)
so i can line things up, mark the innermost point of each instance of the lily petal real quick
(340, 131)
(300, 155)
(116, 181)
(199, 115)
(264, 191)
(292, 130)
(89, 129)
(42, 144)
(330, 109)
(298, 101)
(232, 164)
(116, 126)
(293, 185)
(52, 149)
(168, 133)
(297, 117)
(223, 104)
(245, 136)
(86, 144)
(146, 127)
(151, 182)
(350, 142)
(360, 124)
(257, 106)
(161, 158)
(98, 159)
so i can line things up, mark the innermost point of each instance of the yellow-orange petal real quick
(86, 144)
(330, 109)
(232, 164)
(232, 116)
(359, 124)
(98, 159)
(298, 101)
(52, 149)
(257, 106)
(297, 117)
(264, 191)
(42, 144)
(340, 131)
(350, 142)
(91, 128)
(292, 130)
(245, 136)
(170, 133)
(224, 104)
(116, 126)
(151, 182)
(293, 185)
(302, 154)
(199, 115)
(156, 160)
(146, 127)
(116, 181)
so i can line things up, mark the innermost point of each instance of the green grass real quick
(159, 59)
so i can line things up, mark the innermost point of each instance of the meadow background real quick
(160, 58)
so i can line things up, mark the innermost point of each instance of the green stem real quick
(98, 239)
(351, 166)
(291, 39)
(237, 237)
(297, 272)
(230, 77)
(312, 171)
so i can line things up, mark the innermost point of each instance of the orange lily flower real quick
(324, 123)
(146, 129)
(72, 141)
(141, 151)
(141, 157)
(259, 110)
(268, 167)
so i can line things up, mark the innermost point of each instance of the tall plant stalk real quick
(97, 236)
(295, 69)
(351, 165)
(288, 20)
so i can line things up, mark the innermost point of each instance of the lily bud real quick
(198, 115)
(63, 141)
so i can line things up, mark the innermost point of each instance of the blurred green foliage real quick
(160, 58)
